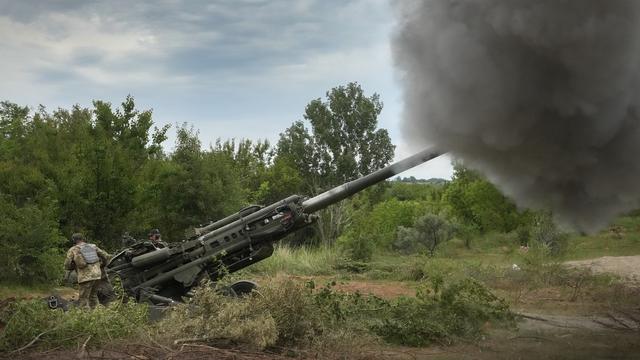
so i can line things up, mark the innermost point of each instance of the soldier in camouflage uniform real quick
(86, 259)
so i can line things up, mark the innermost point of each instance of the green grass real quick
(495, 249)
(32, 322)
(298, 261)
(622, 238)
(32, 291)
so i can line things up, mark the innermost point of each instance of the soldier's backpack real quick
(89, 255)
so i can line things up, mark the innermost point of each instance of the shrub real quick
(356, 247)
(442, 313)
(29, 243)
(281, 313)
(377, 227)
(443, 310)
(292, 306)
(212, 316)
(289, 313)
(547, 233)
(427, 233)
(523, 235)
(26, 320)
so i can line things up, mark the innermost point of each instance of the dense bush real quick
(282, 313)
(474, 201)
(376, 227)
(30, 244)
(441, 313)
(25, 320)
(427, 233)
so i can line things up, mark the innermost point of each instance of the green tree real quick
(30, 243)
(342, 143)
(109, 149)
(194, 187)
(279, 180)
(93, 159)
(475, 202)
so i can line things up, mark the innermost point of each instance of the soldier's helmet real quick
(77, 237)
(154, 232)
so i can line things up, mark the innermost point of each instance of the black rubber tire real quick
(242, 288)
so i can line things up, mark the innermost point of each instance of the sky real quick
(231, 68)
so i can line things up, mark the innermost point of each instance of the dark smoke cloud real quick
(542, 96)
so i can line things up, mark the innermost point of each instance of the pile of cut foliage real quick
(290, 313)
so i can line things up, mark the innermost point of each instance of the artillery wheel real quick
(242, 288)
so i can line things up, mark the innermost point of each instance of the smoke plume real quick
(541, 96)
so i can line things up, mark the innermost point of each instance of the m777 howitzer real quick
(162, 275)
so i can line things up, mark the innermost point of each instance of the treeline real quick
(103, 171)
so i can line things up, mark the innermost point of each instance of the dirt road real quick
(627, 267)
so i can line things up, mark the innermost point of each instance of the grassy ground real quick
(33, 291)
(539, 284)
(298, 261)
(620, 239)
(499, 250)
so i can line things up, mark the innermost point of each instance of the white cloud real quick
(219, 65)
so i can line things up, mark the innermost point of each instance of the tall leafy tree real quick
(29, 237)
(113, 153)
(194, 187)
(342, 142)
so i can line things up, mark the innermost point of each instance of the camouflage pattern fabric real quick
(88, 294)
(85, 272)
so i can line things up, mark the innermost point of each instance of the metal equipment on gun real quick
(163, 275)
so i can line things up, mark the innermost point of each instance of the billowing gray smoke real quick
(542, 96)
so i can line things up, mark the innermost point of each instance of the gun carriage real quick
(164, 274)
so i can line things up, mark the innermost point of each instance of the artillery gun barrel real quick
(345, 190)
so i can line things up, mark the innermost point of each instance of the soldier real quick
(86, 259)
(156, 238)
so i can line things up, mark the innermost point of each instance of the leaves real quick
(343, 142)
(474, 201)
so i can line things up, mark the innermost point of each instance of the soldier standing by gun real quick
(86, 259)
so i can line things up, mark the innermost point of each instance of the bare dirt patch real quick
(627, 267)
(385, 290)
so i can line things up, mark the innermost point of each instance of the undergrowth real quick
(288, 313)
(25, 321)
(443, 312)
